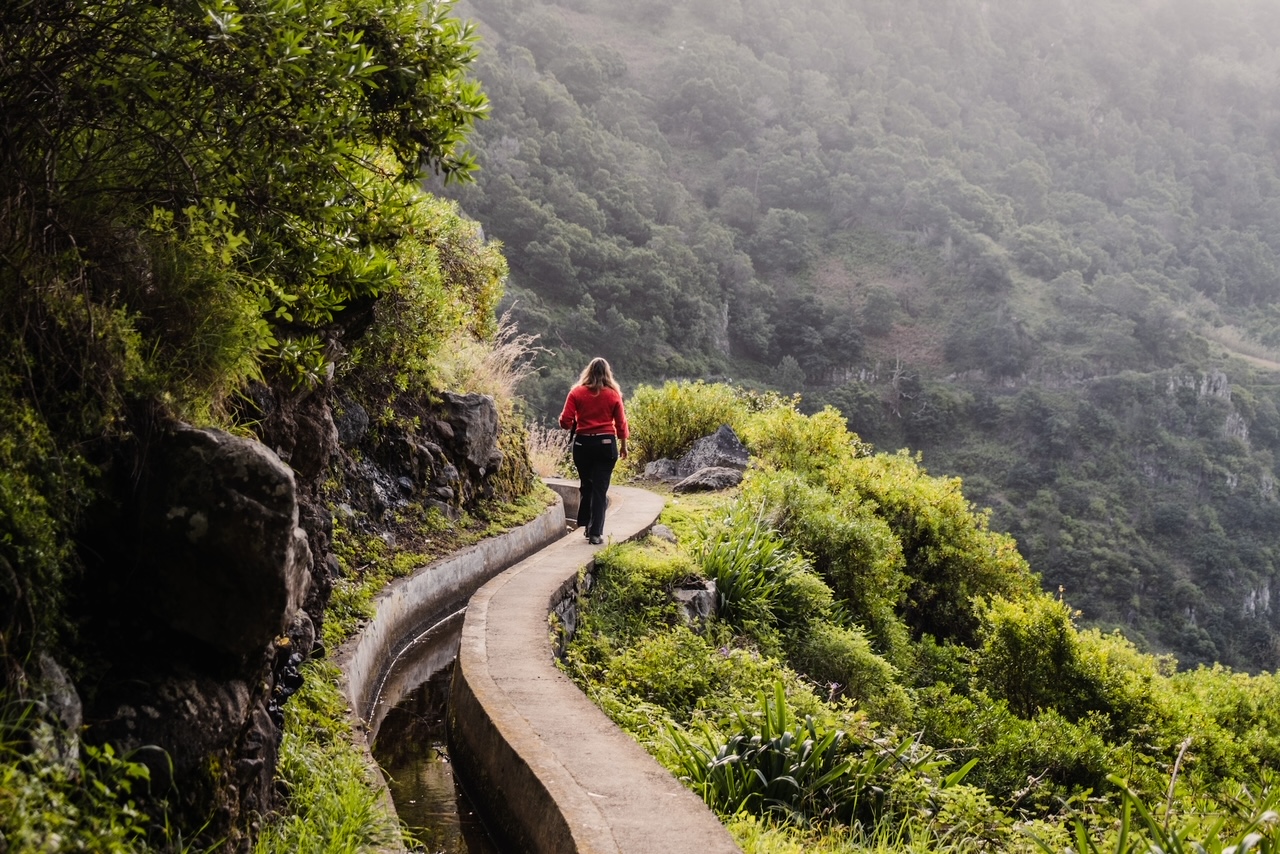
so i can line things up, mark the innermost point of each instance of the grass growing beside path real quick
(333, 800)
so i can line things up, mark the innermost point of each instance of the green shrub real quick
(1029, 654)
(805, 444)
(803, 597)
(849, 545)
(841, 658)
(1033, 656)
(1235, 719)
(50, 804)
(952, 558)
(666, 421)
(435, 310)
(673, 669)
(1030, 765)
(749, 563)
(42, 493)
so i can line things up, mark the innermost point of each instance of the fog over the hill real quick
(1037, 241)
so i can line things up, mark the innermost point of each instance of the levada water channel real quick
(408, 727)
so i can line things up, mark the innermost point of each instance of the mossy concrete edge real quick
(409, 606)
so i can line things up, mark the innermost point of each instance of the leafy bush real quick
(632, 587)
(803, 770)
(1032, 655)
(1031, 765)
(841, 658)
(666, 421)
(50, 804)
(749, 563)
(952, 558)
(305, 161)
(41, 496)
(804, 444)
(448, 280)
(850, 546)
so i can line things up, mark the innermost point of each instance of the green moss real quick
(332, 804)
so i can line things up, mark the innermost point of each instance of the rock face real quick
(709, 479)
(208, 566)
(447, 464)
(224, 559)
(473, 421)
(721, 449)
(696, 603)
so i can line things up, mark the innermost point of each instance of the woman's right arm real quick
(568, 415)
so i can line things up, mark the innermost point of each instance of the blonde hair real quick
(597, 374)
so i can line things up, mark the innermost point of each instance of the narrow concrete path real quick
(549, 771)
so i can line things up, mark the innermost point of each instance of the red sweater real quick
(595, 412)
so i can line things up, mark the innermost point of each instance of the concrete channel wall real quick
(409, 606)
(547, 770)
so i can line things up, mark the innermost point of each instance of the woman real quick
(594, 409)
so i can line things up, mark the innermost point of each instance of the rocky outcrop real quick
(710, 479)
(712, 463)
(448, 462)
(202, 556)
(209, 564)
(223, 559)
(473, 421)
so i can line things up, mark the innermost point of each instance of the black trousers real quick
(594, 457)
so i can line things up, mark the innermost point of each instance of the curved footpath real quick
(546, 768)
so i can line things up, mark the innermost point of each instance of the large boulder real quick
(223, 557)
(722, 449)
(472, 420)
(710, 479)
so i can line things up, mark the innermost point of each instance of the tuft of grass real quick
(494, 366)
(331, 802)
(548, 449)
(51, 803)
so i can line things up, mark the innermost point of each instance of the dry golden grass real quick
(494, 367)
(548, 450)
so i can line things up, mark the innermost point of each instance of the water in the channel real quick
(410, 746)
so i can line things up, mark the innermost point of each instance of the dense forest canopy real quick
(1037, 242)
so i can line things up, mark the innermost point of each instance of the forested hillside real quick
(1037, 242)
